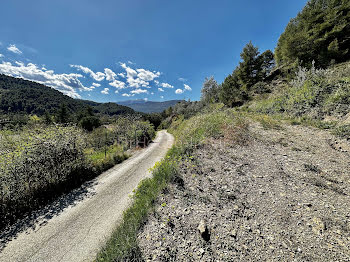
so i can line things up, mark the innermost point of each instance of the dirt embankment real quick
(282, 197)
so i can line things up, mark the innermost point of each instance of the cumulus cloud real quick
(105, 91)
(139, 77)
(96, 84)
(139, 91)
(179, 91)
(110, 75)
(98, 76)
(127, 95)
(187, 87)
(118, 84)
(1, 55)
(166, 85)
(161, 97)
(160, 89)
(182, 79)
(14, 49)
(68, 84)
(122, 75)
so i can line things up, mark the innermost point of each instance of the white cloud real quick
(146, 99)
(166, 85)
(187, 87)
(139, 91)
(96, 84)
(179, 91)
(122, 75)
(182, 79)
(147, 75)
(105, 91)
(14, 49)
(110, 75)
(161, 97)
(127, 95)
(98, 76)
(139, 77)
(160, 89)
(157, 82)
(131, 63)
(152, 93)
(68, 84)
(1, 55)
(117, 84)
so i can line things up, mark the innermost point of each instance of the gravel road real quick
(81, 228)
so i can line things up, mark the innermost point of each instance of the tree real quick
(47, 118)
(63, 115)
(265, 64)
(320, 32)
(231, 93)
(89, 123)
(247, 71)
(210, 91)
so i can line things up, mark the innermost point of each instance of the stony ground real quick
(282, 197)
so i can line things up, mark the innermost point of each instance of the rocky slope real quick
(283, 196)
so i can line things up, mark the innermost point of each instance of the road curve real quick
(80, 230)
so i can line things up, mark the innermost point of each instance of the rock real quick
(203, 230)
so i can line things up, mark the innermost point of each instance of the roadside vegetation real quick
(306, 81)
(40, 161)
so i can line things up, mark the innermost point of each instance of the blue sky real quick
(134, 49)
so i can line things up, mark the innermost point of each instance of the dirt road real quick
(78, 231)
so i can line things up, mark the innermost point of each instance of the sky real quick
(115, 50)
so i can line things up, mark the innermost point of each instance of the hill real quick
(22, 96)
(149, 106)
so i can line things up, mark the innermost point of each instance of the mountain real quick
(149, 106)
(22, 96)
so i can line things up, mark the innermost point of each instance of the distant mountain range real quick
(149, 106)
(26, 97)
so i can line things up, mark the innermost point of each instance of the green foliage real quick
(320, 32)
(210, 91)
(232, 93)
(215, 123)
(123, 246)
(39, 162)
(316, 93)
(253, 69)
(26, 97)
(149, 106)
(62, 114)
(89, 123)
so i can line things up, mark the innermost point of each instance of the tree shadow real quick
(42, 215)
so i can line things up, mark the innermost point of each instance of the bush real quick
(89, 123)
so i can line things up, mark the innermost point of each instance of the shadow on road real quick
(41, 216)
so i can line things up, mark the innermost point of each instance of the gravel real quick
(282, 197)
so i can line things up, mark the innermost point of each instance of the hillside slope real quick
(22, 96)
(254, 189)
(149, 106)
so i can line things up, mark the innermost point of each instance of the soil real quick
(284, 196)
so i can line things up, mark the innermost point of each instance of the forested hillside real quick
(149, 106)
(23, 96)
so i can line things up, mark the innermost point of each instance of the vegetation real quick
(319, 33)
(40, 162)
(123, 246)
(19, 96)
(219, 122)
(149, 106)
